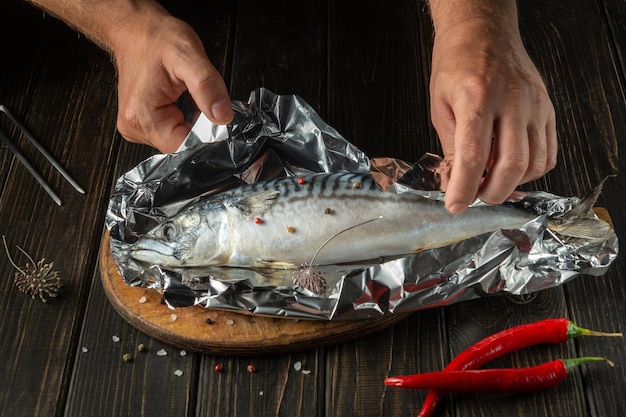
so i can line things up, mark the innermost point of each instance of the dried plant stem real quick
(339, 233)
(306, 278)
(6, 249)
(37, 278)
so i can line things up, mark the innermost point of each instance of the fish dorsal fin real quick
(253, 204)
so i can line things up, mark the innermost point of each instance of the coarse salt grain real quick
(143, 299)
(178, 372)
(230, 322)
(173, 317)
(84, 349)
(183, 353)
(162, 352)
(115, 338)
(306, 371)
(297, 366)
(260, 392)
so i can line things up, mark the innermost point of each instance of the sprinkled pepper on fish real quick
(282, 223)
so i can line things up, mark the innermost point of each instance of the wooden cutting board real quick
(219, 331)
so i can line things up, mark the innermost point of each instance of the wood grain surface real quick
(365, 65)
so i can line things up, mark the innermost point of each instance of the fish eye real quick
(168, 230)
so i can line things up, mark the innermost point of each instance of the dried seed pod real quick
(37, 278)
(127, 357)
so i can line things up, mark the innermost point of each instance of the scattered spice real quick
(84, 349)
(356, 185)
(208, 320)
(291, 229)
(230, 322)
(297, 366)
(162, 352)
(301, 181)
(178, 372)
(126, 357)
(258, 220)
(115, 338)
(143, 300)
(173, 317)
(36, 278)
(141, 348)
(183, 353)
(328, 211)
(251, 369)
(218, 368)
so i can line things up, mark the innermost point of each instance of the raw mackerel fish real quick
(346, 217)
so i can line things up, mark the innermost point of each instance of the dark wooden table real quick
(365, 66)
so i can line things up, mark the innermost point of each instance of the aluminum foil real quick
(273, 136)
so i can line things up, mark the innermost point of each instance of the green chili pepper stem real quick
(575, 331)
(6, 249)
(574, 362)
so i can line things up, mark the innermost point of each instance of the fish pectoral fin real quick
(254, 204)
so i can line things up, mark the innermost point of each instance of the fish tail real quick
(582, 221)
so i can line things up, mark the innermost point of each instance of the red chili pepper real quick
(506, 341)
(495, 381)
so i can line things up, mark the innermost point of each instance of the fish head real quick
(189, 239)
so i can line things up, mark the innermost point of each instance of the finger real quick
(538, 154)
(543, 145)
(443, 121)
(551, 142)
(207, 88)
(170, 129)
(510, 161)
(471, 153)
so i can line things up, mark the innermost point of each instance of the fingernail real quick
(457, 208)
(222, 111)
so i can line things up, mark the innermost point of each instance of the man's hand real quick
(489, 104)
(158, 58)
(156, 65)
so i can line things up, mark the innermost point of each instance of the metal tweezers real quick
(20, 156)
